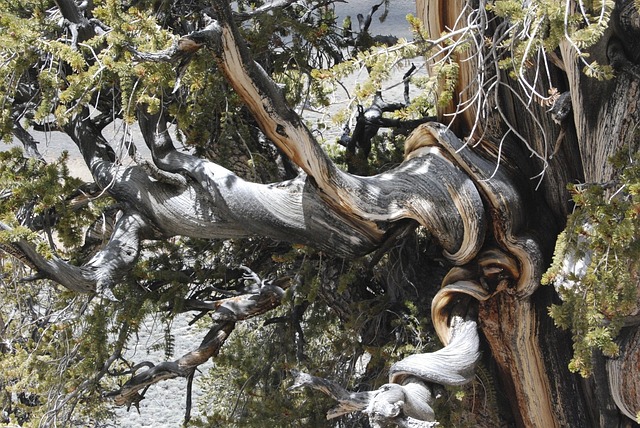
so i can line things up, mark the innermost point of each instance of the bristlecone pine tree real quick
(477, 266)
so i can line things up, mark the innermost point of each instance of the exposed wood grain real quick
(623, 371)
(408, 398)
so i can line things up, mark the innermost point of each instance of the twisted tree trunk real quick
(323, 207)
(531, 354)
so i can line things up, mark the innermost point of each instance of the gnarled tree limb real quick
(408, 398)
(103, 270)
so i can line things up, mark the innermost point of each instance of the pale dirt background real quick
(164, 403)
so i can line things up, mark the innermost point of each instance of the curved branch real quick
(215, 203)
(329, 209)
(443, 300)
(183, 367)
(439, 196)
(507, 207)
(267, 103)
(452, 365)
(106, 268)
(408, 399)
(28, 142)
(347, 401)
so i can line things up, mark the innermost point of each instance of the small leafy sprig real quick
(596, 265)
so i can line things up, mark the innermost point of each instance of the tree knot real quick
(281, 131)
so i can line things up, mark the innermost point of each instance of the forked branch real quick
(225, 313)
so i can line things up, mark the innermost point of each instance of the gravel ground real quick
(165, 403)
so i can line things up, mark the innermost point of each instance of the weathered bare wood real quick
(80, 27)
(347, 401)
(444, 16)
(444, 300)
(517, 351)
(346, 193)
(508, 209)
(215, 203)
(541, 393)
(452, 365)
(443, 185)
(408, 398)
(104, 269)
(329, 209)
(510, 326)
(624, 382)
(128, 393)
